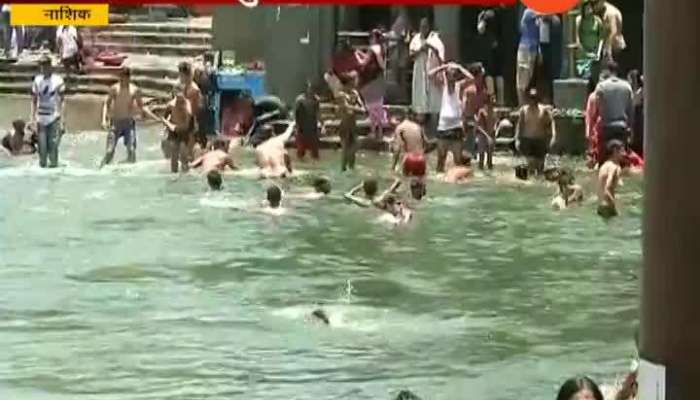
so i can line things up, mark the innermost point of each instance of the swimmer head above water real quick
(274, 196)
(418, 190)
(369, 186)
(322, 185)
(214, 180)
(320, 316)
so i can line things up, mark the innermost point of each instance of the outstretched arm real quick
(392, 189)
(107, 106)
(437, 70)
(145, 111)
(229, 163)
(350, 196)
(197, 163)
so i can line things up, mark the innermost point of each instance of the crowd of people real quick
(452, 114)
(65, 41)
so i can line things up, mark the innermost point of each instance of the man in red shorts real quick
(410, 141)
(306, 114)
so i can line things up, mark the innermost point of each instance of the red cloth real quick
(236, 118)
(594, 129)
(414, 165)
(306, 144)
(633, 160)
(110, 58)
(344, 62)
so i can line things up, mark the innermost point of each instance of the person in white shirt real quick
(450, 133)
(47, 112)
(67, 40)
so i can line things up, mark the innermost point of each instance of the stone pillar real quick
(447, 23)
(670, 322)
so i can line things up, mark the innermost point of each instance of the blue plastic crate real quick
(252, 82)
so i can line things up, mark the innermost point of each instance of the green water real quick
(126, 284)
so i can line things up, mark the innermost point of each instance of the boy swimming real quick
(609, 178)
(215, 160)
(369, 187)
(274, 201)
(568, 193)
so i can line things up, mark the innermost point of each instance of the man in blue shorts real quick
(118, 116)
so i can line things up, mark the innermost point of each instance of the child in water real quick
(568, 193)
(274, 201)
(369, 187)
(609, 179)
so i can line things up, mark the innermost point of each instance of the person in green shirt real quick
(590, 34)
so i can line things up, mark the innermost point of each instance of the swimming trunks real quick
(535, 148)
(126, 129)
(451, 134)
(414, 164)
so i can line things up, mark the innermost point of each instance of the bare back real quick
(215, 160)
(536, 121)
(410, 136)
(608, 180)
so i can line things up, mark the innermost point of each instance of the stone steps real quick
(33, 69)
(153, 27)
(162, 85)
(146, 38)
(25, 88)
(182, 50)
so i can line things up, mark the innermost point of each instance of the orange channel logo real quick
(551, 6)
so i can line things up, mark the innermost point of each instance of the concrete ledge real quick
(33, 68)
(153, 37)
(187, 50)
(155, 27)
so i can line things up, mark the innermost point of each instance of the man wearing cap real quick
(118, 116)
(47, 112)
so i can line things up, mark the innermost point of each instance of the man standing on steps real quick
(194, 95)
(69, 45)
(118, 116)
(47, 112)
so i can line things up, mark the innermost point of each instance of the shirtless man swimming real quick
(180, 126)
(321, 188)
(535, 132)
(369, 188)
(274, 201)
(609, 179)
(123, 100)
(410, 141)
(271, 156)
(216, 159)
(386, 202)
(457, 173)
